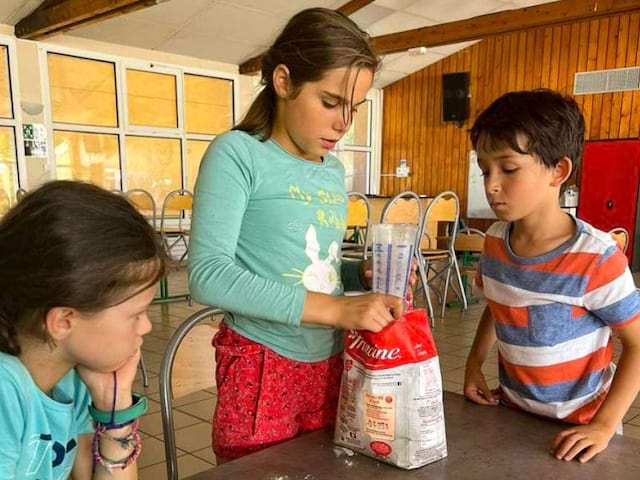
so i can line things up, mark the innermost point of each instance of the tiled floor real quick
(192, 414)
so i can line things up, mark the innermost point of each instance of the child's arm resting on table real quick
(475, 385)
(612, 296)
(593, 438)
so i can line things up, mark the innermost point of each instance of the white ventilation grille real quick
(605, 81)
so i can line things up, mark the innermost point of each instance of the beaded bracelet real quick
(127, 442)
(131, 440)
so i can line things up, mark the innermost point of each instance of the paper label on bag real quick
(379, 416)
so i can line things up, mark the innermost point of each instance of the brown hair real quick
(551, 122)
(71, 244)
(313, 41)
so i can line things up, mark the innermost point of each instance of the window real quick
(153, 164)
(6, 108)
(151, 99)
(209, 104)
(83, 92)
(126, 124)
(355, 150)
(195, 151)
(9, 181)
(87, 156)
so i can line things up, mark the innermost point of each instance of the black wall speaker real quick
(455, 97)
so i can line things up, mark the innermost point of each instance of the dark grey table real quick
(492, 443)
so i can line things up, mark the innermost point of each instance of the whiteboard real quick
(477, 205)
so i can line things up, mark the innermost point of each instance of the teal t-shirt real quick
(38, 433)
(267, 227)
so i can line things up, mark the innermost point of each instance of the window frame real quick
(375, 132)
(16, 121)
(124, 129)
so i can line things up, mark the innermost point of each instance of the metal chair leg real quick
(463, 293)
(425, 287)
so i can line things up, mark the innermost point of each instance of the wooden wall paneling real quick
(607, 98)
(528, 60)
(572, 63)
(513, 63)
(506, 59)
(430, 139)
(410, 133)
(634, 128)
(548, 57)
(583, 50)
(627, 97)
(498, 66)
(592, 57)
(389, 128)
(563, 66)
(385, 133)
(401, 183)
(522, 53)
(620, 61)
(554, 60)
(449, 147)
(443, 67)
(397, 141)
(419, 139)
(601, 61)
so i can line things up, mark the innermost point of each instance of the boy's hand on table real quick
(582, 442)
(476, 388)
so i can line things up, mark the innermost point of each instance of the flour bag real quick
(390, 405)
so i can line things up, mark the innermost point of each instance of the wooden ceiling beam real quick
(353, 6)
(501, 22)
(254, 64)
(57, 16)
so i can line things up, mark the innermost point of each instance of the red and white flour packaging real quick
(390, 404)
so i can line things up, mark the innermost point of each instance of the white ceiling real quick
(234, 30)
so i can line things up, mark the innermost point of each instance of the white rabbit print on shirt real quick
(321, 275)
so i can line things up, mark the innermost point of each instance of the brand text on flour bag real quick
(390, 403)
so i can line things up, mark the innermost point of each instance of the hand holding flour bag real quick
(390, 405)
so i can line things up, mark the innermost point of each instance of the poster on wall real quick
(35, 140)
(477, 205)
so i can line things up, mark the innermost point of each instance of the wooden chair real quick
(406, 207)
(143, 201)
(621, 236)
(469, 244)
(358, 223)
(437, 245)
(188, 365)
(177, 206)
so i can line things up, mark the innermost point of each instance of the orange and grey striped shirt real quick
(553, 318)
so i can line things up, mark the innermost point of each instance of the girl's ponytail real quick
(8, 334)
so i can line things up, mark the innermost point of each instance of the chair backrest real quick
(405, 207)
(621, 236)
(469, 240)
(445, 207)
(188, 365)
(178, 202)
(143, 201)
(358, 210)
(359, 217)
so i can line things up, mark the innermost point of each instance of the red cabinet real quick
(609, 180)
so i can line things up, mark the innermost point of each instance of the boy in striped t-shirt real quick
(555, 286)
